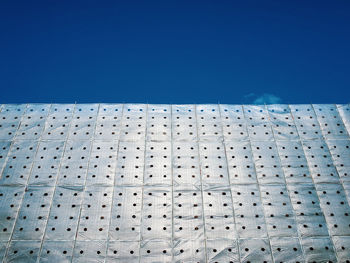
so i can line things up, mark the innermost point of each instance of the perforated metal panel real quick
(174, 183)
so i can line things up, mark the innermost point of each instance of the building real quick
(174, 183)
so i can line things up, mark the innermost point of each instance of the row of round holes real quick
(165, 251)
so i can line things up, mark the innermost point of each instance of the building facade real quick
(174, 183)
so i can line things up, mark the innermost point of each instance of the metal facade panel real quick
(282, 123)
(159, 123)
(184, 125)
(89, 251)
(19, 162)
(330, 121)
(255, 250)
(102, 164)
(74, 164)
(23, 251)
(56, 251)
(58, 121)
(209, 123)
(344, 112)
(109, 121)
(3, 247)
(318, 249)
(10, 201)
(234, 124)
(46, 163)
(286, 249)
(174, 183)
(188, 218)
(33, 122)
(156, 217)
(222, 250)
(95, 213)
(125, 223)
(342, 245)
(64, 214)
(10, 119)
(123, 251)
(33, 214)
(240, 162)
(248, 210)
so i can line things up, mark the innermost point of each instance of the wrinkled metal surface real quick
(174, 183)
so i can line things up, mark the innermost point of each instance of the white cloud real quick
(265, 98)
(249, 96)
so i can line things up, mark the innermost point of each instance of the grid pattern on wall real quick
(174, 183)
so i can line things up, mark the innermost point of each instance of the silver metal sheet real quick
(240, 162)
(3, 247)
(189, 250)
(19, 163)
(4, 149)
(335, 207)
(344, 112)
(58, 122)
(188, 222)
(46, 163)
(11, 198)
(75, 162)
(56, 251)
(259, 127)
(286, 249)
(213, 164)
(33, 122)
(159, 123)
(306, 122)
(255, 250)
(126, 214)
(123, 251)
(23, 251)
(218, 213)
(95, 213)
(283, 126)
(309, 216)
(318, 249)
(233, 123)
(222, 250)
(82, 126)
(133, 123)
(267, 163)
(248, 210)
(33, 214)
(102, 163)
(158, 164)
(130, 164)
(156, 217)
(109, 121)
(64, 214)
(330, 121)
(89, 251)
(184, 125)
(10, 119)
(209, 123)
(294, 163)
(185, 164)
(174, 183)
(156, 251)
(342, 247)
(280, 220)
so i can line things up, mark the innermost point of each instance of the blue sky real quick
(175, 51)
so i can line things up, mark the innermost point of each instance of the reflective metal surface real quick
(174, 183)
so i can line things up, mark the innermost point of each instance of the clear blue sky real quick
(175, 51)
